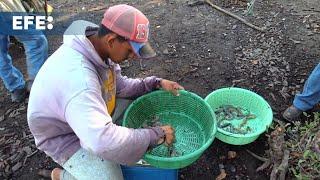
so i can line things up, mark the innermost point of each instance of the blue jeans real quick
(36, 49)
(311, 92)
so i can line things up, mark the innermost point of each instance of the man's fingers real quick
(175, 92)
(178, 87)
(169, 133)
(169, 139)
(167, 128)
(171, 86)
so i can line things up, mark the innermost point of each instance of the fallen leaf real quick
(165, 51)
(295, 41)
(1, 118)
(16, 167)
(222, 175)
(14, 113)
(44, 173)
(296, 154)
(232, 154)
(255, 62)
(222, 157)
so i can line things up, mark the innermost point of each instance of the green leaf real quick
(306, 153)
(293, 171)
(306, 114)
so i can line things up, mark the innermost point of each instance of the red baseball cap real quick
(131, 24)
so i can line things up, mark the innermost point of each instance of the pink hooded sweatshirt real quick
(67, 105)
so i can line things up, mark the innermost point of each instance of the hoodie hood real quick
(75, 37)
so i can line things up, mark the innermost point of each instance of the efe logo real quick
(23, 22)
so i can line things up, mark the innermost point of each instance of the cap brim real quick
(143, 50)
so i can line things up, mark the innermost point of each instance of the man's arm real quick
(87, 115)
(130, 88)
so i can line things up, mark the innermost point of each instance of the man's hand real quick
(169, 138)
(171, 86)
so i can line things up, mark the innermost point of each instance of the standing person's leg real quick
(86, 166)
(36, 49)
(311, 92)
(308, 98)
(11, 76)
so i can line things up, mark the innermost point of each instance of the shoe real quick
(29, 85)
(18, 95)
(316, 108)
(55, 174)
(292, 113)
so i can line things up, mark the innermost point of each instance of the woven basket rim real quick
(260, 130)
(187, 156)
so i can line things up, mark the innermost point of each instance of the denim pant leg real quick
(311, 92)
(11, 76)
(36, 49)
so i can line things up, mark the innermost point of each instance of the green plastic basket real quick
(191, 117)
(245, 99)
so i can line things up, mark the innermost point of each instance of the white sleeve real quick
(87, 115)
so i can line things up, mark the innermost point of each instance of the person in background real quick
(36, 49)
(309, 97)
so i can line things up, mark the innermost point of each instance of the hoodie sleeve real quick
(87, 115)
(130, 88)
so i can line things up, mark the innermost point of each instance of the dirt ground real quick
(203, 50)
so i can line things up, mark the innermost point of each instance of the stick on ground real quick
(283, 168)
(235, 16)
(256, 156)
